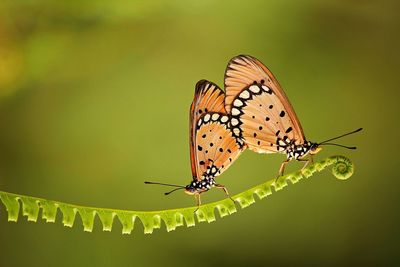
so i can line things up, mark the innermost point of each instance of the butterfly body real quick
(198, 187)
(298, 152)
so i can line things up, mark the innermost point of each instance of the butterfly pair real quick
(253, 113)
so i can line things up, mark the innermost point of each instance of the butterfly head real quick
(190, 190)
(314, 148)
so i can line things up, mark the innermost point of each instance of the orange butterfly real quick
(261, 114)
(213, 148)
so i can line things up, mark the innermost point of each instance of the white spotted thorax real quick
(296, 152)
(196, 187)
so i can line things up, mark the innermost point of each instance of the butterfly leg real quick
(198, 200)
(282, 168)
(225, 190)
(307, 162)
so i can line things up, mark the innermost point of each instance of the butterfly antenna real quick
(340, 136)
(173, 185)
(348, 147)
(173, 190)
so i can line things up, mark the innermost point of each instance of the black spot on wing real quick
(288, 130)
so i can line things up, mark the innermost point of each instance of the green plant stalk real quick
(31, 206)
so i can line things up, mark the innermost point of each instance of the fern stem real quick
(342, 169)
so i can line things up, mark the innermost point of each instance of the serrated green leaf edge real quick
(31, 206)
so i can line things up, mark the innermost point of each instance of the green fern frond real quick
(31, 206)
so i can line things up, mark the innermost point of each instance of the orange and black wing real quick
(261, 113)
(213, 148)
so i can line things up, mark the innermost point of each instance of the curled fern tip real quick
(343, 168)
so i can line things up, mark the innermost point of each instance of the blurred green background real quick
(94, 99)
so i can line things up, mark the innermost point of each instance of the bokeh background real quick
(94, 99)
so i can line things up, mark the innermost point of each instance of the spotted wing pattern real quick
(261, 113)
(213, 148)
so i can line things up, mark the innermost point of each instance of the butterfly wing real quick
(261, 113)
(212, 146)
